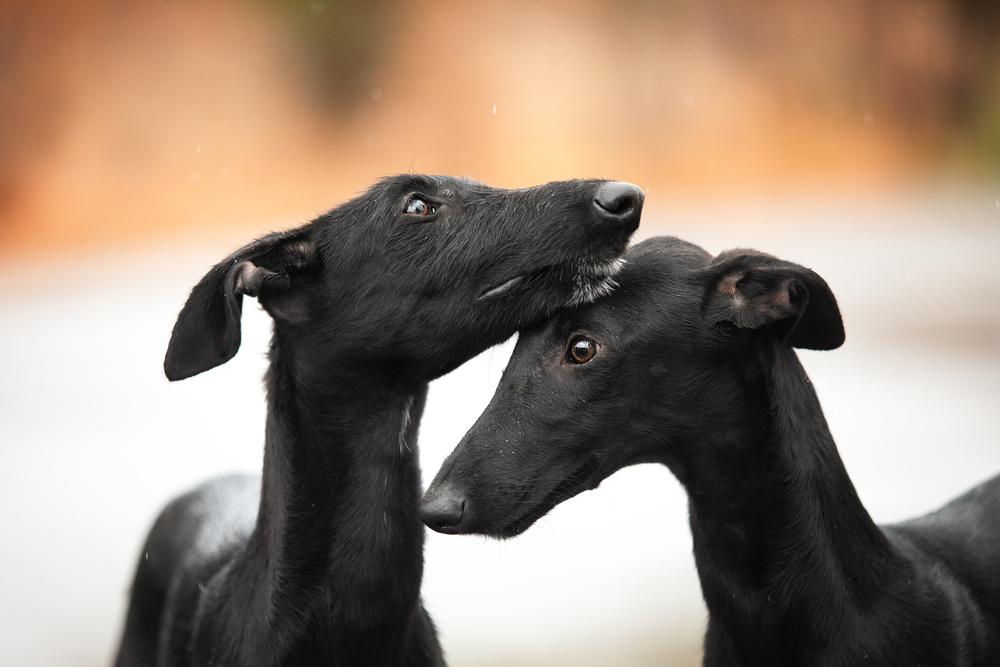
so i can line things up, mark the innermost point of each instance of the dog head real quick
(666, 369)
(415, 276)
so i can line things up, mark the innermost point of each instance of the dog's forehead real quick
(658, 267)
(667, 255)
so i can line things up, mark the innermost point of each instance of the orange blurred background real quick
(123, 120)
(143, 140)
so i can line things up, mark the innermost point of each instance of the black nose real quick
(442, 509)
(619, 203)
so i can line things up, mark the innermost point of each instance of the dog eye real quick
(419, 207)
(582, 350)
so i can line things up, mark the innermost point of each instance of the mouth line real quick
(502, 288)
(574, 484)
(591, 278)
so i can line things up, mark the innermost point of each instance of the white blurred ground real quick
(94, 440)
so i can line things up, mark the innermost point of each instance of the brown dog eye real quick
(582, 350)
(419, 207)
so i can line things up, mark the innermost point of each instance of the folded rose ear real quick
(751, 289)
(207, 331)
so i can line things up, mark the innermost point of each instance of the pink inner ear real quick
(248, 278)
(779, 297)
(728, 283)
(244, 276)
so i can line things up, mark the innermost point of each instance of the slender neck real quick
(337, 542)
(781, 539)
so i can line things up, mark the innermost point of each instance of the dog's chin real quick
(594, 279)
(581, 480)
(582, 281)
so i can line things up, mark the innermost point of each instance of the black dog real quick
(690, 364)
(321, 561)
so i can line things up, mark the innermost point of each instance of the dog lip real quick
(502, 288)
(447, 529)
(592, 278)
(576, 483)
(595, 278)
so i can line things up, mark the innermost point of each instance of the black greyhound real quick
(320, 562)
(690, 364)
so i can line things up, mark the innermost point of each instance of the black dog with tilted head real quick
(320, 562)
(690, 364)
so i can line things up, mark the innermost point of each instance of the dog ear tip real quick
(179, 366)
(824, 344)
(837, 335)
(175, 371)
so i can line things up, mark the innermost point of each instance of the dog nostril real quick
(443, 511)
(619, 202)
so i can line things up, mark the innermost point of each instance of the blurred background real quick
(141, 141)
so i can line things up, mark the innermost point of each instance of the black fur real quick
(320, 562)
(694, 370)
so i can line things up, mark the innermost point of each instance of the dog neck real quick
(782, 542)
(337, 548)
